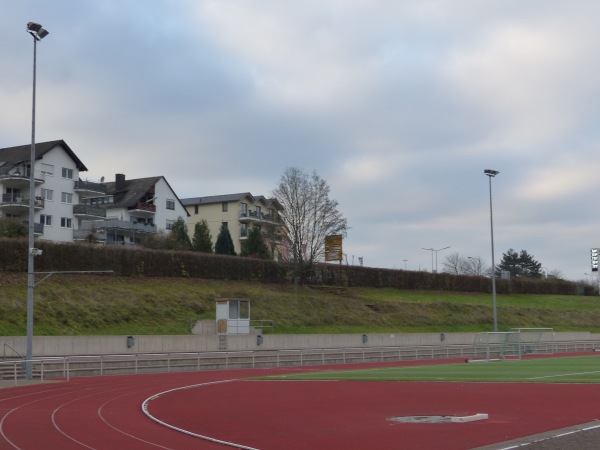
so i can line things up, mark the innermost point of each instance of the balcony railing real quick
(18, 200)
(258, 216)
(143, 207)
(115, 224)
(88, 211)
(89, 186)
(20, 174)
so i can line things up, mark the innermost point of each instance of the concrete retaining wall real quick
(106, 345)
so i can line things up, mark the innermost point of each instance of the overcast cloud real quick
(399, 105)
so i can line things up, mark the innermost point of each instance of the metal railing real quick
(100, 365)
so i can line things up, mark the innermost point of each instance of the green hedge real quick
(126, 261)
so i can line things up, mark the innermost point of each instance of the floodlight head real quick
(35, 27)
(490, 172)
(36, 30)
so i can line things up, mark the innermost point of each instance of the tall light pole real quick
(491, 174)
(38, 33)
(436, 252)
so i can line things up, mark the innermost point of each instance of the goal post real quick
(513, 344)
(536, 341)
(495, 345)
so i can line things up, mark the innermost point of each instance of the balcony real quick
(89, 212)
(118, 226)
(89, 189)
(258, 217)
(16, 204)
(143, 209)
(18, 177)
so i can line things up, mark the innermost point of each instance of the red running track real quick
(106, 412)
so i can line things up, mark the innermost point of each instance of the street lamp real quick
(405, 263)
(38, 33)
(491, 174)
(436, 252)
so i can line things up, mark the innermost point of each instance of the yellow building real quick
(239, 212)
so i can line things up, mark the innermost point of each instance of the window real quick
(67, 173)
(243, 209)
(66, 222)
(47, 194)
(13, 195)
(243, 230)
(195, 209)
(66, 197)
(46, 220)
(224, 206)
(170, 204)
(47, 169)
(170, 224)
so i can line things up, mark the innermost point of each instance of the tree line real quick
(516, 264)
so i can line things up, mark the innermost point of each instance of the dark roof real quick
(131, 191)
(22, 153)
(211, 199)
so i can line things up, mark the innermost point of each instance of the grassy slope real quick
(83, 305)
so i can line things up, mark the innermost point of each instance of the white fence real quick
(73, 366)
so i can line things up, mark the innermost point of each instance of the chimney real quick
(119, 181)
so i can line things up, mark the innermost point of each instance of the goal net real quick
(513, 344)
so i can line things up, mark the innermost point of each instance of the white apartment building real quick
(69, 209)
(133, 209)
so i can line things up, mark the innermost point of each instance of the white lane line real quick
(207, 438)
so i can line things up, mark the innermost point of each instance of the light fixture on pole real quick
(436, 252)
(38, 33)
(491, 174)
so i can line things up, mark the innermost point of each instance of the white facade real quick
(55, 174)
(60, 173)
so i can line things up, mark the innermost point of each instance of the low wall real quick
(44, 346)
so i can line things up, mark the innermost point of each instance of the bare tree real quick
(459, 265)
(475, 265)
(308, 216)
(454, 264)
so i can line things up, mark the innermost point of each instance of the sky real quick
(399, 105)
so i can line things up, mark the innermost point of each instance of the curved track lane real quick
(105, 413)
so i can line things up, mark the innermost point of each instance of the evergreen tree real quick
(202, 241)
(519, 265)
(255, 245)
(224, 244)
(179, 238)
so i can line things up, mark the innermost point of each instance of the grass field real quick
(67, 305)
(574, 369)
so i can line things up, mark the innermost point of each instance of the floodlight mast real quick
(38, 33)
(491, 174)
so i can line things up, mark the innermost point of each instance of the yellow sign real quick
(333, 247)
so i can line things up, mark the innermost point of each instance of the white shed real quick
(233, 316)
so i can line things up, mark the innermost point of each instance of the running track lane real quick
(105, 412)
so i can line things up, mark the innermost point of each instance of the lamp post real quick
(436, 252)
(491, 174)
(38, 33)
(405, 263)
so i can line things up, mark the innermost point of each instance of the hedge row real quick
(365, 276)
(127, 261)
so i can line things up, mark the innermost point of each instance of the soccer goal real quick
(513, 344)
